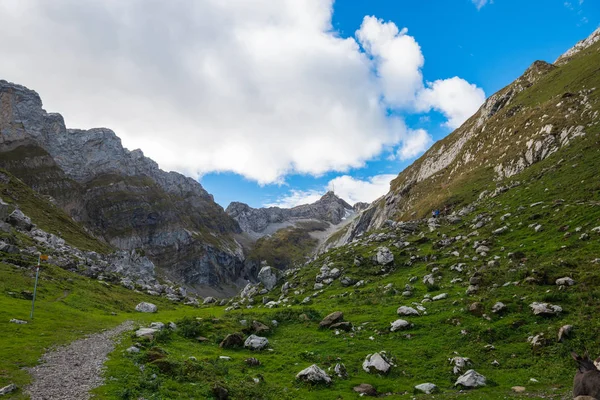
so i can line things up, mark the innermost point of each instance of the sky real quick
(276, 102)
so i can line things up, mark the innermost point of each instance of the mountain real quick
(540, 113)
(286, 236)
(120, 196)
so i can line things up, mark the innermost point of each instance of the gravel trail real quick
(71, 371)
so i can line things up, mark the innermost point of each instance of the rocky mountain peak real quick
(581, 45)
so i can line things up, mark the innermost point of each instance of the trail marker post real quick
(37, 274)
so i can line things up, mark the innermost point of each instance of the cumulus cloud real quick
(456, 98)
(480, 3)
(346, 187)
(416, 142)
(263, 88)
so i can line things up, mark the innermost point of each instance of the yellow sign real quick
(43, 257)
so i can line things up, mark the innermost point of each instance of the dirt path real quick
(71, 371)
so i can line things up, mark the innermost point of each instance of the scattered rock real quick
(133, 349)
(331, 319)
(314, 374)
(340, 371)
(268, 277)
(377, 362)
(253, 362)
(566, 281)
(254, 342)
(220, 393)
(499, 307)
(146, 307)
(518, 389)
(384, 256)
(427, 388)
(405, 310)
(19, 220)
(471, 379)
(545, 309)
(459, 364)
(344, 326)
(209, 300)
(476, 308)
(564, 332)
(364, 389)
(440, 296)
(17, 321)
(147, 333)
(232, 340)
(8, 389)
(257, 327)
(399, 325)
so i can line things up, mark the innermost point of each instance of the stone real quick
(564, 332)
(248, 291)
(220, 393)
(500, 231)
(499, 307)
(384, 256)
(440, 296)
(566, 281)
(268, 277)
(254, 342)
(8, 389)
(314, 375)
(209, 300)
(347, 281)
(429, 280)
(157, 325)
(472, 289)
(232, 340)
(331, 319)
(405, 310)
(427, 388)
(459, 364)
(253, 362)
(400, 324)
(364, 389)
(147, 333)
(537, 340)
(377, 362)
(518, 389)
(344, 326)
(19, 220)
(146, 307)
(132, 349)
(476, 308)
(471, 379)
(17, 321)
(545, 309)
(257, 327)
(340, 371)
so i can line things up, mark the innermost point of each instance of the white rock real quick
(405, 310)
(146, 307)
(384, 256)
(498, 307)
(313, 374)
(545, 309)
(254, 342)
(440, 296)
(566, 281)
(399, 325)
(157, 325)
(17, 321)
(268, 277)
(377, 363)
(133, 349)
(427, 388)
(8, 389)
(146, 332)
(471, 379)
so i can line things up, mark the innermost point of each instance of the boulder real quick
(566, 281)
(331, 319)
(440, 296)
(254, 342)
(545, 309)
(157, 325)
(499, 307)
(146, 307)
(8, 389)
(209, 300)
(470, 379)
(405, 310)
(313, 374)
(232, 340)
(257, 327)
(364, 389)
(384, 256)
(427, 388)
(564, 332)
(268, 277)
(377, 362)
(147, 333)
(340, 371)
(19, 220)
(347, 281)
(399, 325)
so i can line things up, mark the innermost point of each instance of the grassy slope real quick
(545, 255)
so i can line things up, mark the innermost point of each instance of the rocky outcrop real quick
(328, 208)
(579, 46)
(120, 195)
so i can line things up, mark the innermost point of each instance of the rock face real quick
(146, 307)
(120, 195)
(314, 374)
(259, 221)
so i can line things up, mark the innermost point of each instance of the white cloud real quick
(480, 3)
(296, 198)
(262, 88)
(456, 98)
(415, 143)
(346, 187)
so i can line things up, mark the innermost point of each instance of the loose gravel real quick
(71, 371)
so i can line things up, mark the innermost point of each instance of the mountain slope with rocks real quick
(540, 113)
(120, 196)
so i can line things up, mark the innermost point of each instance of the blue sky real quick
(490, 47)
(275, 102)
